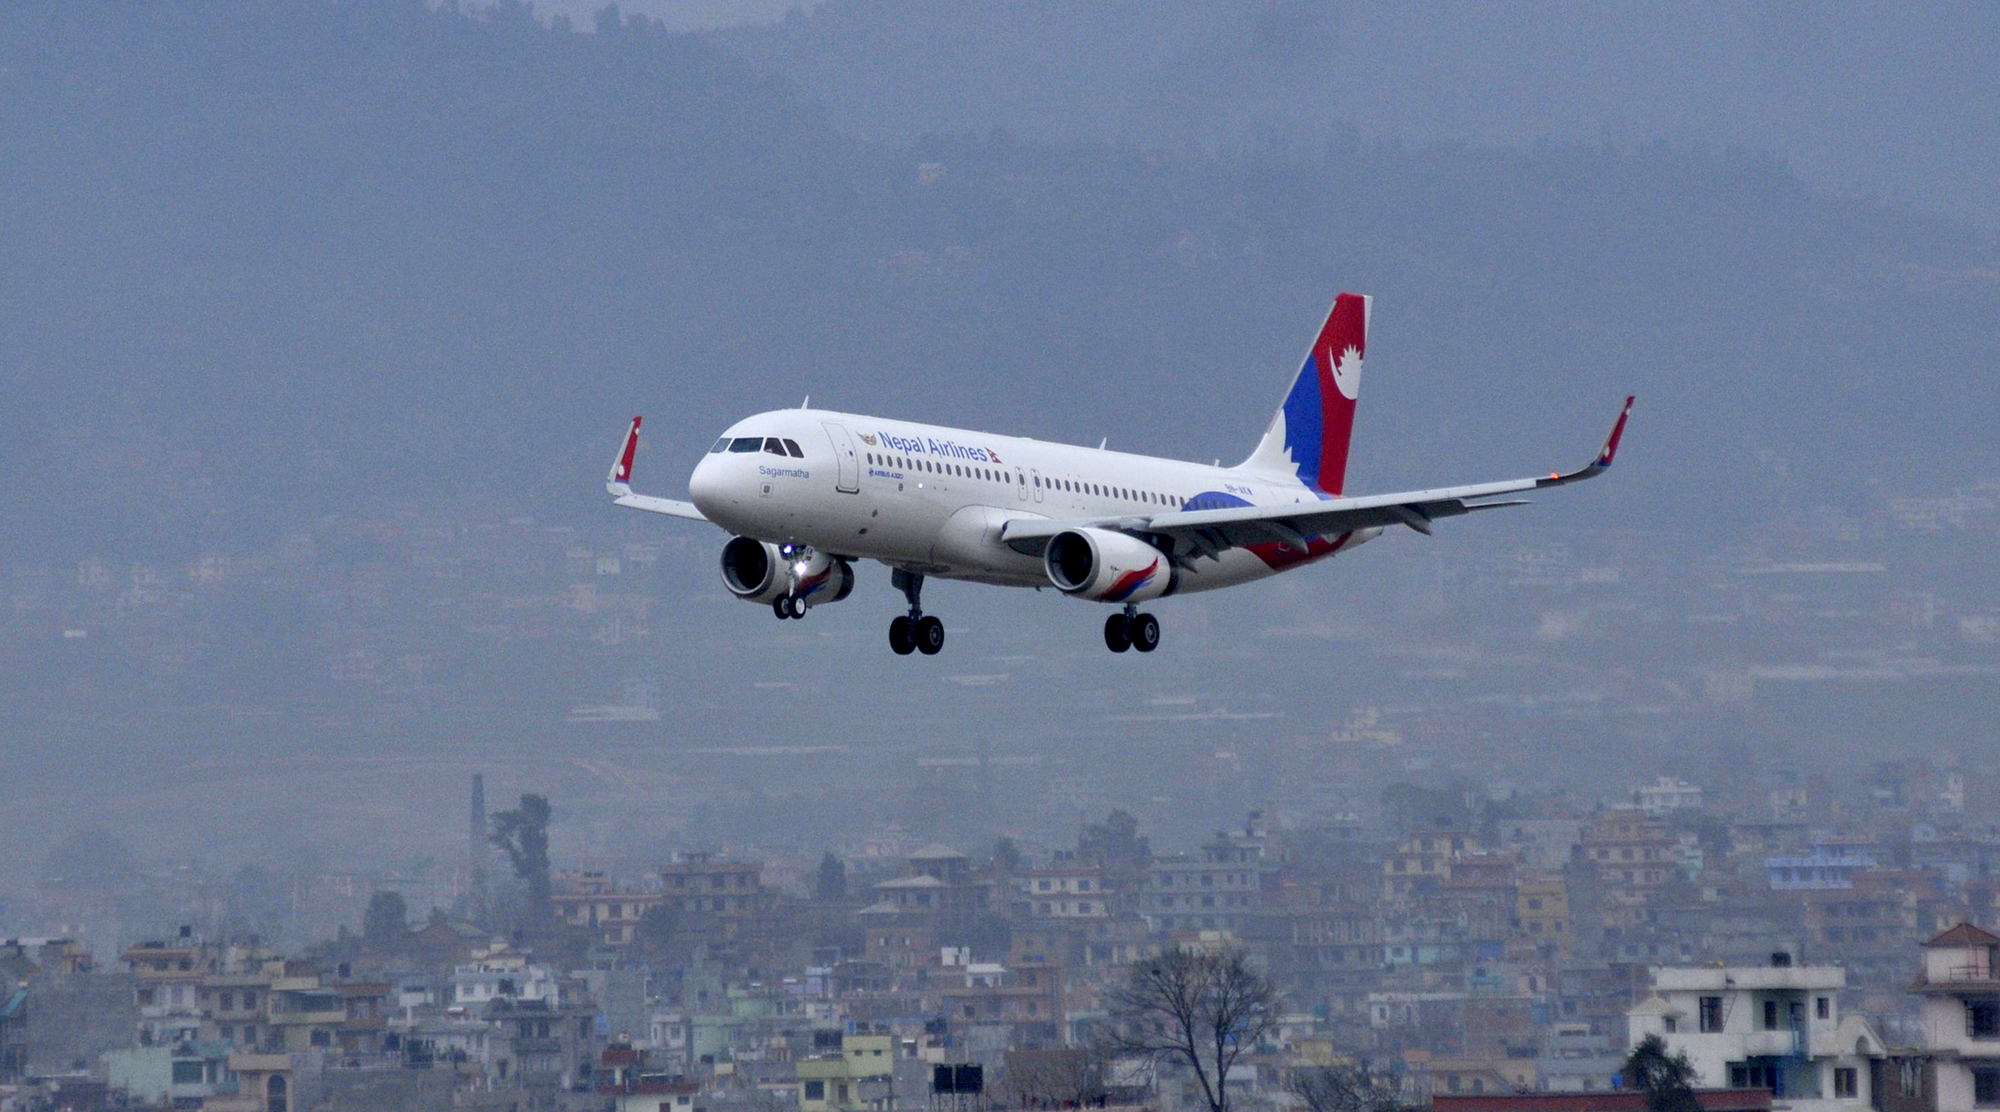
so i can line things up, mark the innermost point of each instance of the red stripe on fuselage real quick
(1278, 556)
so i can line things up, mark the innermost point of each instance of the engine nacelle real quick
(754, 570)
(759, 571)
(820, 578)
(1106, 566)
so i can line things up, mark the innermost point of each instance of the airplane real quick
(807, 493)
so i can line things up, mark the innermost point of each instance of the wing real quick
(1210, 532)
(667, 506)
(618, 482)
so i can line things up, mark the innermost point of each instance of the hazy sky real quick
(681, 15)
(320, 326)
(1889, 98)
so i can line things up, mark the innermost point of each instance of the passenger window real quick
(720, 445)
(746, 444)
(774, 446)
(792, 446)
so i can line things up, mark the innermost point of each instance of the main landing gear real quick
(788, 606)
(916, 632)
(1131, 630)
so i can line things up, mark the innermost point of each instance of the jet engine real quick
(759, 571)
(1106, 566)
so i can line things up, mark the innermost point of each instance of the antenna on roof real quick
(1102, 443)
(808, 403)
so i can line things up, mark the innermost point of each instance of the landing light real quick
(800, 567)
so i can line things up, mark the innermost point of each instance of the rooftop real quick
(1964, 934)
(1668, 978)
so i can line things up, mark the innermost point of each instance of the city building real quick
(1666, 795)
(1959, 1017)
(1777, 1026)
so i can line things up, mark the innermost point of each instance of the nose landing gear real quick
(916, 632)
(1131, 630)
(788, 606)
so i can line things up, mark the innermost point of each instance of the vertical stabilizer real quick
(1307, 439)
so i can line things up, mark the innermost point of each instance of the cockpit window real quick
(746, 444)
(720, 445)
(792, 446)
(774, 446)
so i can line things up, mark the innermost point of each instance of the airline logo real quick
(925, 446)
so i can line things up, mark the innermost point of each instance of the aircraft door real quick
(1037, 483)
(847, 478)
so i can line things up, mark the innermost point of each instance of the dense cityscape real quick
(1461, 944)
(360, 753)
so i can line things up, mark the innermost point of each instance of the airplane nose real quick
(705, 485)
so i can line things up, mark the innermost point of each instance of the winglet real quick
(618, 482)
(1617, 430)
(1605, 454)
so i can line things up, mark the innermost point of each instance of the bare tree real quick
(1343, 1089)
(1065, 1077)
(1202, 1010)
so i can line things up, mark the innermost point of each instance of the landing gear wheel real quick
(1117, 633)
(929, 635)
(782, 607)
(901, 638)
(1145, 632)
(798, 606)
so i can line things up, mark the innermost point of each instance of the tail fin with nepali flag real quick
(1308, 437)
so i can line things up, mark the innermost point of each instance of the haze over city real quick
(320, 323)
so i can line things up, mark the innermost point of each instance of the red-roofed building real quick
(1617, 1100)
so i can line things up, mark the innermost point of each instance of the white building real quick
(1666, 795)
(1960, 987)
(1776, 1027)
(501, 973)
(1064, 892)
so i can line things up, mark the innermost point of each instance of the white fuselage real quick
(932, 500)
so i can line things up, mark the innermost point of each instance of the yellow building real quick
(1542, 910)
(854, 1080)
(1422, 862)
